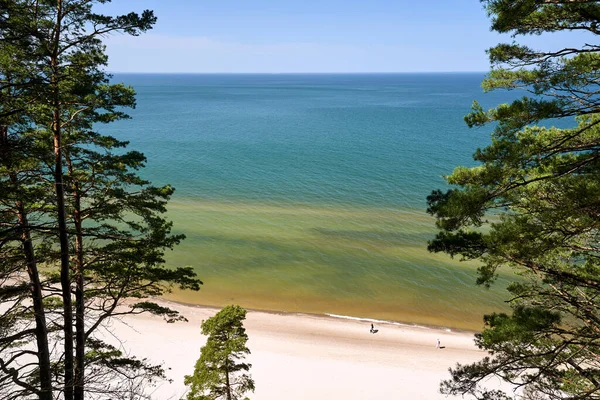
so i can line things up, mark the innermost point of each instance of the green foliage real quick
(532, 204)
(54, 94)
(220, 372)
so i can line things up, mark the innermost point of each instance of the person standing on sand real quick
(437, 346)
(372, 328)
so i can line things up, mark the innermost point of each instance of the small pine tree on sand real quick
(220, 372)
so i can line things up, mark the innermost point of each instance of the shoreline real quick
(407, 324)
(303, 356)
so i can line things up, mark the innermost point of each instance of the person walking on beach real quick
(437, 346)
(372, 328)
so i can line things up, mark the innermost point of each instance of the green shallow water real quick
(356, 261)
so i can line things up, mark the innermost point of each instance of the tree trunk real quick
(227, 384)
(65, 280)
(79, 283)
(41, 329)
(79, 322)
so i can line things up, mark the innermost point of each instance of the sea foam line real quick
(381, 321)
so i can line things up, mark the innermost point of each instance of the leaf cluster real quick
(532, 204)
(53, 86)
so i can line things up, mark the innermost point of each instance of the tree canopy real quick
(533, 205)
(80, 231)
(220, 372)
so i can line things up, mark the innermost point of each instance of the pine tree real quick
(70, 200)
(533, 205)
(220, 372)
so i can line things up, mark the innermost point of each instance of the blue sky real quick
(277, 36)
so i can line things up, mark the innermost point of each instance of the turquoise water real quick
(307, 192)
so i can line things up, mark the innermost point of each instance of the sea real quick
(306, 193)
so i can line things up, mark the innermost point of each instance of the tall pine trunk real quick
(79, 286)
(65, 280)
(41, 329)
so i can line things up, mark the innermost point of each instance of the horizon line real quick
(296, 73)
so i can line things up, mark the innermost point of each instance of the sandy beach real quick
(298, 356)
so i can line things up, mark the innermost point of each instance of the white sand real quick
(310, 357)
